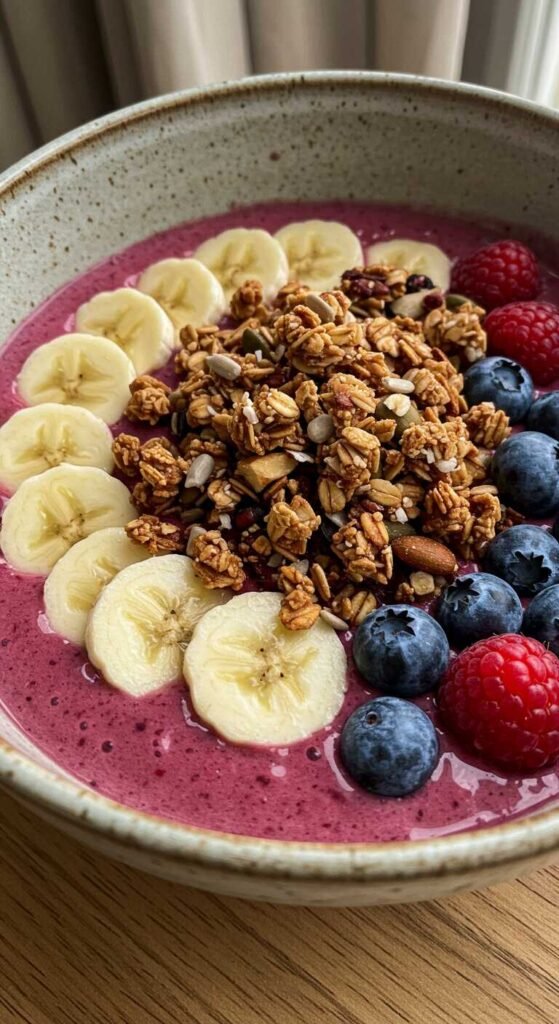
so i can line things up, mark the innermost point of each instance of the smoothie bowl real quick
(279, 604)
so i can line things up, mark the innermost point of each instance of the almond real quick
(425, 554)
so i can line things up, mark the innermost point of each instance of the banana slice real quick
(236, 255)
(188, 292)
(78, 369)
(415, 257)
(50, 512)
(258, 683)
(78, 578)
(134, 321)
(139, 626)
(318, 251)
(36, 439)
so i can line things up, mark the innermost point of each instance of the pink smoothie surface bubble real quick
(153, 754)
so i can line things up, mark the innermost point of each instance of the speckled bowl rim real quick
(68, 801)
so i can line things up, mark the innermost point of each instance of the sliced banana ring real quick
(415, 257)
(51, 512)
(137, 630)
(318, 251)
(133, 321)
(236, 255)
(255, 682)
(187, 291)
(77, 579)
(36, 439)
(78, 369)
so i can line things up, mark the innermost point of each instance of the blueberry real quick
(389, 746)
(541, 618)
(476, 606)
(544, 415)
(525, 556)
(401, 650)
(501, 381)
(525, 469)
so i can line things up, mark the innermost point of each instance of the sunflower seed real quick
(224, 366)
(318, 306)
(333, 620)
(200, 471)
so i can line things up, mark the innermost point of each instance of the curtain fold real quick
(305, 35)
(181, 43)
(63, 62)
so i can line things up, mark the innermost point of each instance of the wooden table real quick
(87, 941)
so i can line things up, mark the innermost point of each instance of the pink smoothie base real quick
(153, 754)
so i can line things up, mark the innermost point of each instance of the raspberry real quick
(502, 696)
(496, 274)
(529, 333)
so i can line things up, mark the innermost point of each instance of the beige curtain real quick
(63, 62)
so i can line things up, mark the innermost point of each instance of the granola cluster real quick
(307, 434)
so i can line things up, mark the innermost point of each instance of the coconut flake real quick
(400, 515)
(301, 566)
(301, 456)
(447, 465)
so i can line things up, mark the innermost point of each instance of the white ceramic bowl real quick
(104, 186)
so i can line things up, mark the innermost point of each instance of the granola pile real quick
(306, 435)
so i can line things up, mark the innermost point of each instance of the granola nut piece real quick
(348, 400)
(290, 526)
(290, 578)
(149, 400)
(425, 554)
(306, 396)
(299, 610)
(372, 286)
(385, 493)
(161, 468)
(459, 330)
(354, 605)
(331, 496)
(214, 562)
(363, 546)
(126, 452)
(223, 494)
(261, 471)
(155, 534)
(248, 301)
(487, 426)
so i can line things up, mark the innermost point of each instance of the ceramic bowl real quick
(317, 136)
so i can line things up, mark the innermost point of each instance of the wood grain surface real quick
(87, 941)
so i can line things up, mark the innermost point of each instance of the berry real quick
(476, 606)
(529, 332)
(498, 273)
(401, 650)
(541, 618)
(525, 556)
(501, 381)
(525, 469)
(389, 746)
(246, 517)
(544, 415)
(502, 697)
